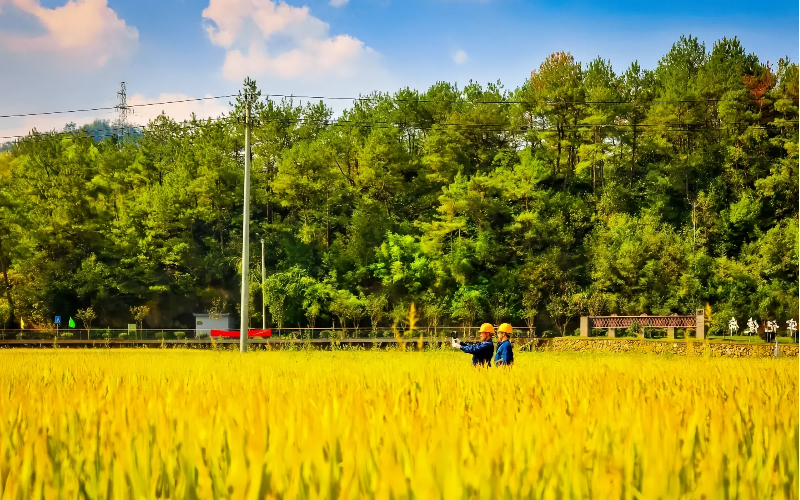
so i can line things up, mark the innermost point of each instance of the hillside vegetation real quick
(584, 190)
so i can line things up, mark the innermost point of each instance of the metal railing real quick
(675, 321)
(277, 333)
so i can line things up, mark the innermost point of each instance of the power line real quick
(109, 108)
(508, 101)
(387, 97)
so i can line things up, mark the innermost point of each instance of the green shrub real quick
(66, 335)
(180, 335)
(633, 330)
(203, 336)
(107, 333)
(21, 336)
(161, 335)
(123, 336)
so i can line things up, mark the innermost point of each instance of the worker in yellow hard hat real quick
(505, 352)
(481, 351)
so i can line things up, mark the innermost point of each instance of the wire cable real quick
(108, 108)
(387, 97)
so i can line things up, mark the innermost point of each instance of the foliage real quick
(649, 190)
(87, 316)
(375, 306)
(467, 305)
(139, 314)
(564, 306)
(434, 308)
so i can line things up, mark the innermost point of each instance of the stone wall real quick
(691, 348)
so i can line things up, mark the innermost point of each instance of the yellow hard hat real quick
(486, 327)
(505, 328)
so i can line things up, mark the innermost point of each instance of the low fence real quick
(277, 333)
(668, 323)
(557, 344)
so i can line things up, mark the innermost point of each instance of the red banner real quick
(235, 333)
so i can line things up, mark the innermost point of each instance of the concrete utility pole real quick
(246, 233)
(263, 298)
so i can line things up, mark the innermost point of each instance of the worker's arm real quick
(472, 347)
(476, 347)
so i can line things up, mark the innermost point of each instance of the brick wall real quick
(692, 348)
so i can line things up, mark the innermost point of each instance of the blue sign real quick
(58, 320)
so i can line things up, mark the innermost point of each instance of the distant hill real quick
(99, 130)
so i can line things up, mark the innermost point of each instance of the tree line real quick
(582, 191)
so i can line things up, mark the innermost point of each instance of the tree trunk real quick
(4, 269)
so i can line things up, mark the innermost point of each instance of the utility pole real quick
(245, 231)
(263, 297)
(122, 110)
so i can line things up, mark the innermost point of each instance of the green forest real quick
(587, 189)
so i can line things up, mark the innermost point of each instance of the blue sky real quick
(59, 54)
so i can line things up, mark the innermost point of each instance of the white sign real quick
(791, 325)
(752, 326)
(733, 326)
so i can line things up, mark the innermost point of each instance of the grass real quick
(378, 424)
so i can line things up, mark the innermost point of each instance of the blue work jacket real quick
(481, 352)
(505, 354)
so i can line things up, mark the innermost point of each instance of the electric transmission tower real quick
(122, 110)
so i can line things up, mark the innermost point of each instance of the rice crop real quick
(164, 423)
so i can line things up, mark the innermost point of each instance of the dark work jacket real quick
(481, 352)
(505, 354)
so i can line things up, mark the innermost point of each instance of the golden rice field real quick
(145, 424)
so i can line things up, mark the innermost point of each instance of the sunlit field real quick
(365, 424)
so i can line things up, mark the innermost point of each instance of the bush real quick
(107, 333)
(123, 336)
(180, 335)
(550, 334)
(633, 330)
(21, 336)
(203, 336)
(577, 332)
(161, 335)
(66, 335)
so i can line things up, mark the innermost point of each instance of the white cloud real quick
(208, 108)
(460, 57)
(340, 56)
(79, 31)
(287, 42)
(338, 3)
